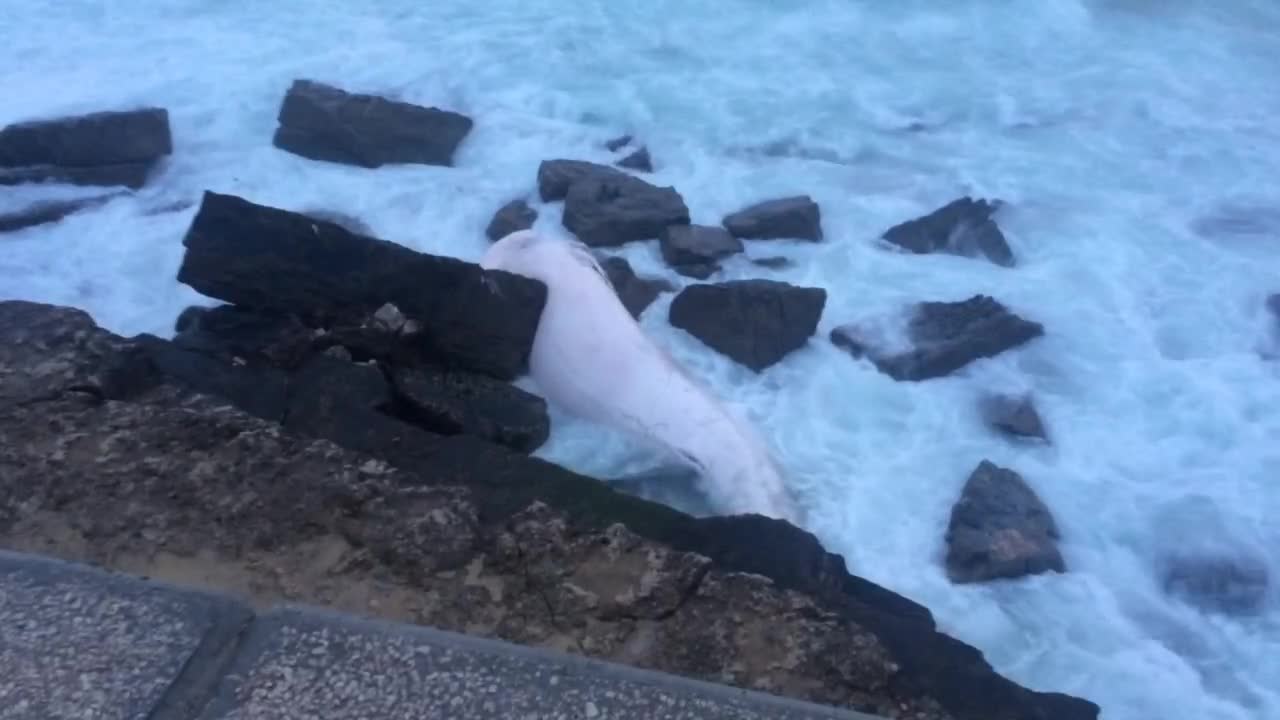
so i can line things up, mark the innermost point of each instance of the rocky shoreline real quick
(344, 429)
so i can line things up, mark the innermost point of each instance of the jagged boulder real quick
(754, 322)
(961, 227)
(1000, 529)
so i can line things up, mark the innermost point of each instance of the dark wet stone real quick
(322, 122)
(961, 227)
(1013, 415)
(755, 322)
(512, 217)
(636, 293)
(118, 147)
(773, 263)
(1000, 529)
(945, 337)
(638, 160)
(555, 177)
(796, 217)
(610, 211)
(457, 403)
(617, 143)
(49, 212)
(1223, 582)
(266, 258)
(694, 250)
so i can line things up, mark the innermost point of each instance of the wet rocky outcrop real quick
(964, 226)
(795, 217)
(1013, 415)
(51, 211)
(755, 322)
(940, 337)
(513, 216)
(338, 500)
(322, 122)
(696, 250)
(1000, 529)
(106, 148)
(636, 293)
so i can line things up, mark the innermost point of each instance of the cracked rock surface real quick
(107, 459)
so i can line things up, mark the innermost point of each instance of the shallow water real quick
(1135, 141)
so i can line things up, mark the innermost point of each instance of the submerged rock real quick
(1222, 582)
(638, 160)
(605, 211)
(322, 122)
(49, 212)
(943, 338)
(512, 217)
(636, 293)
(117, 147)
(999, 528)
(961, 227)
(755, 322)
(617, 143)
(797, 217)
(454, 532)
(1013, 415)
(695, 250)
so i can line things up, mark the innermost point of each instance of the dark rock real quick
(796, 217)
(638, 160)
(1013, 415)
(694, 250)
(347, 222)
(1221, 582)
(773, 263)
(945, 336)
(1000, 529)
(101, 138)
(610, 211)
(48, 212)
(961, 227)
(754, 322)
(260, 390)
(453, 403)
(515, 215)
(266, 258)
(636, 293)
(239, 335)
(552, 558)
(321, 122)
(555, 177)
(617, 143)
(102, 148)
(130, 175)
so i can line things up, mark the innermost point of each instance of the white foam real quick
(1113, 127)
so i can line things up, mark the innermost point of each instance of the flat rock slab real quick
(101, 148)
(299, 663)
(322, 122)
(48, 212)
(76, 642)
(604, 211)
(797, 217)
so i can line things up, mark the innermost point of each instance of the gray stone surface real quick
(302, 663)
(80, 643)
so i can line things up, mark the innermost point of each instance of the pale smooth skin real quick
(592, 359)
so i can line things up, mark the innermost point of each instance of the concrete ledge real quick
(79, 642)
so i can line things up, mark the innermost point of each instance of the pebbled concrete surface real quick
(77, 642)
